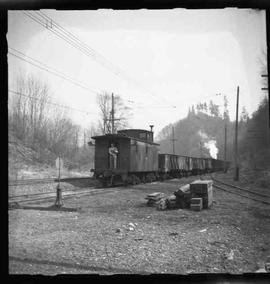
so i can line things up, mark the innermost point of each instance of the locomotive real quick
(131, 156)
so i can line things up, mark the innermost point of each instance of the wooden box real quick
(202, 189)
(196, 204)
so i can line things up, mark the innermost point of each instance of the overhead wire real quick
(49, 69)
(75, 42)
(52, 103)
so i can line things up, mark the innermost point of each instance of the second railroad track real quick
(243, 192)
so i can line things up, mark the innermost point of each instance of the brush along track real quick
(247, 193)
(52, 195)
(43, 180)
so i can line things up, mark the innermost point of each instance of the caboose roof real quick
(121, 136)
(134, 129)
(109, 136)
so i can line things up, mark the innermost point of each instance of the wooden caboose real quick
(135, 157)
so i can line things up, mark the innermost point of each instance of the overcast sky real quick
(176, 58)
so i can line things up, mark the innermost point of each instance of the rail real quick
(52, 195)
(241, 190)
(43, 180)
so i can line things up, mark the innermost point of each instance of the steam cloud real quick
(209, 144)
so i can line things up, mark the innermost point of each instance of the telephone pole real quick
(112, 114)
(225, 148)
(173, 140)
(236, 177)
(112, 119)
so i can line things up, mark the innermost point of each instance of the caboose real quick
(128, 157)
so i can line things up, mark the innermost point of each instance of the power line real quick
(51, 103)
(81, 46)
(49, 69)
(72, 40)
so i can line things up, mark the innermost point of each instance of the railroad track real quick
(47, 196)
(244, 192)
(43, 180)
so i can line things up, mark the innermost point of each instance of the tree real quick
(244, 115)
(122, 113)
(205, 107)
(28, 108)
(165, 133)
(214, 109)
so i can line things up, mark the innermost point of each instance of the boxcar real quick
(175, 165)
(168, 165)
(136, 160)
(208, 167)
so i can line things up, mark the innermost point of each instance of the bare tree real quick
(122, 113)
(28, 109)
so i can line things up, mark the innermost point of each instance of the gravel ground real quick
(117, 233)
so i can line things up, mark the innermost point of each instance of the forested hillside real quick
(39, 131)
(204, 127)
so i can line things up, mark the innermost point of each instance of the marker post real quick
(59, 200)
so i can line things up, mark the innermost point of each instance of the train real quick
(131, 156)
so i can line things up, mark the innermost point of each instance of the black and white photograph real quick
(138, 141)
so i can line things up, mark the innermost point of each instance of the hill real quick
(199, 134)
(25, 162)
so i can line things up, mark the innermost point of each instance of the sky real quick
(175, 57)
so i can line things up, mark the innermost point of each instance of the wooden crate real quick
(202, 189)
(196, 204)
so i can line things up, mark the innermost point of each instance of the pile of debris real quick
(154, 198)
(196, 196)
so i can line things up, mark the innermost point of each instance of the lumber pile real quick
(153, 199)
(162, 204)
(171, 202)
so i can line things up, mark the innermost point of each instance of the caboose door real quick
(113, 155)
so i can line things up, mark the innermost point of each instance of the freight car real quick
(129, 156)
(179, 166)
(173, 166)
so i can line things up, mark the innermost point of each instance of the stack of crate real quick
(153, 199)
(202, 189)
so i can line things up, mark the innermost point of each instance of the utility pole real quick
(112, 114)
(236, 177)
(268, 118)
(225, 148)
(173, 140)
(111, 120)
